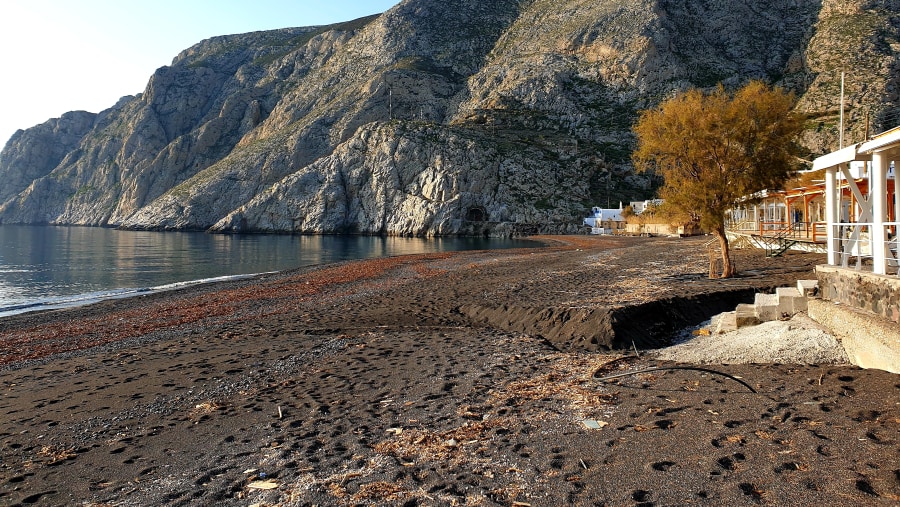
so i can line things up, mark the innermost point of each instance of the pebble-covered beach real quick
(435, 380)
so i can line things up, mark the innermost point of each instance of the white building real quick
(605, 221)
(639, 206)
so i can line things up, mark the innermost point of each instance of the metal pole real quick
(866, 138)
(608, 177)
(841, 142)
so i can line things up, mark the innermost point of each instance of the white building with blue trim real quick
(605, 220)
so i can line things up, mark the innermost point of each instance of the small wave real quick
(188, 283)
(13, 308)
(59, 302)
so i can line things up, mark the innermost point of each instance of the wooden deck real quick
(778, 237)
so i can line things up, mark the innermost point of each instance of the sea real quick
(49, 267)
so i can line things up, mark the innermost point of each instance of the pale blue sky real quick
(65, 55)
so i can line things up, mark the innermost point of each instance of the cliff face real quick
(436, 117)
(32, 154)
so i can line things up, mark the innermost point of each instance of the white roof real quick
(859, 151)
(612, 214)
(881, 141)
(835, 158)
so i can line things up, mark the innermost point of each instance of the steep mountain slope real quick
(436, 117)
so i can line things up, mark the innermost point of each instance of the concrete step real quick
(790, 300)
(808, 288)
(726, 322)
(745, 315)
(767, 308)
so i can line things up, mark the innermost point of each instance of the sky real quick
(68, 55)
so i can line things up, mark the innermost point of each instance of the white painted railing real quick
(853, 244)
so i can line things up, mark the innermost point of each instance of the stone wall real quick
(877, 294)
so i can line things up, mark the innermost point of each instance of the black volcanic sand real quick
(420, 381)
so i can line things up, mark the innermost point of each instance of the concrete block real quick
(870, 341)
(727, 322)
(767, 307)
(745, 315)
(790, 301)
(808, 287)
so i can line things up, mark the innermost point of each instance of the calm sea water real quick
(54, 267)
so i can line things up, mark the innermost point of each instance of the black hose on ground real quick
(695, 368)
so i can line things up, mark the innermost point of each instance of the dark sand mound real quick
(644, 325)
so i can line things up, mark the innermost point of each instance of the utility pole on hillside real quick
(608, 177)
(841, 137)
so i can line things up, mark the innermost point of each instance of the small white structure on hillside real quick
(605, 221)
(639, 206)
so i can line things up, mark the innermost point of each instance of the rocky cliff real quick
(437, 117)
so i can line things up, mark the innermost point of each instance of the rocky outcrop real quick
(32, 154)
(421, 180)
(436, 117)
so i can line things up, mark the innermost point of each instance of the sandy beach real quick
(467, 378)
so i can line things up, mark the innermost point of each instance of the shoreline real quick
(84, 266)
(84, 299)
(430, 380)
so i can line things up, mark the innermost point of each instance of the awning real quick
(836, 158)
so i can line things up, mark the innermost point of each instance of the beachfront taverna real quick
(859, 286)
(851, 215)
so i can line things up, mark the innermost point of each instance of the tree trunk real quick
(727, 267)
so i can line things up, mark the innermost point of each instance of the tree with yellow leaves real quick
(714, 148)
